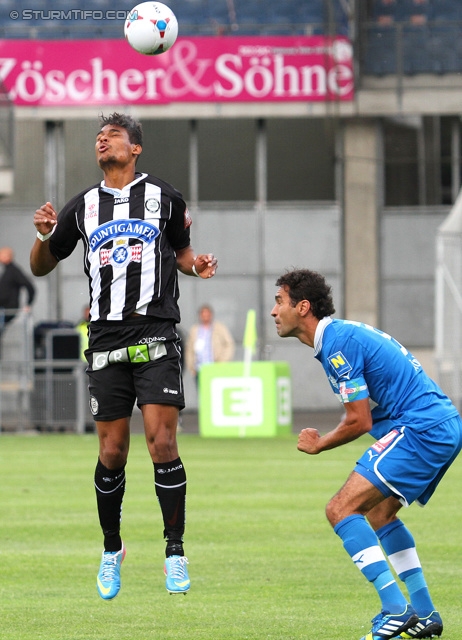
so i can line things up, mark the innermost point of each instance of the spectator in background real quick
(82, 329)
(12, 281)
(208, 341)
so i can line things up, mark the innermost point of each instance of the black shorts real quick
(133, 362)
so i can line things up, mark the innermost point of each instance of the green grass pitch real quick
(264, 562)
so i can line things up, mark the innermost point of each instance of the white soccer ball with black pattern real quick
(151, 28)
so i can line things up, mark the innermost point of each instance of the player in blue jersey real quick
(417, 431)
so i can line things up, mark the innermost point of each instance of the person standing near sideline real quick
(136, 234)
(12, 281)
(82, 329)
(417, 431)
(208, 341)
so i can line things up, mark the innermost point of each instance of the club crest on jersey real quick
(121, 254)
(152, 205)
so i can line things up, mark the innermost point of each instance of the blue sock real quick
(361, 543)
(399, 545)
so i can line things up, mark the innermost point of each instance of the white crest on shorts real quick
(94, 406)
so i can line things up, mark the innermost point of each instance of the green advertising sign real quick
(236, 400)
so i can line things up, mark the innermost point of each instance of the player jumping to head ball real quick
(135, 231)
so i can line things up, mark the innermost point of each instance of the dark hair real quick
(132, 126)
(303, 284)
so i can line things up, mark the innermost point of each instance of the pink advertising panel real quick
(199, 69)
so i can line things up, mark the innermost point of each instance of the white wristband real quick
(42, 237)
(194, 271)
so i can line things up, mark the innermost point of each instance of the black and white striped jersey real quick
(130, 237)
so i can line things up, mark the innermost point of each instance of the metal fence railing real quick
(42, 394)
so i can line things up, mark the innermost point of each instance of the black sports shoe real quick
(390, 625)
(429, 627)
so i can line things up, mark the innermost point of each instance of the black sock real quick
(110, 488)
(170, 483)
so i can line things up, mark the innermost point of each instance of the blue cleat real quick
(177, 574)
(429, 627)
(108, 580)
(388, 625)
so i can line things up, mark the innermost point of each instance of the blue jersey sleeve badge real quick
(339, 364)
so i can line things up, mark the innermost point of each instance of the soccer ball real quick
(151, 28)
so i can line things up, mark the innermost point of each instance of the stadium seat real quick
(443, 48)
(384, 11)
(415, 50)
(380, 51)
(446, 10)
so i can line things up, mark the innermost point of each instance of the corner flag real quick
(249, 341)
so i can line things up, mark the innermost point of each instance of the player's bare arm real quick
(203, 265)
(42, 261)
(356, 421)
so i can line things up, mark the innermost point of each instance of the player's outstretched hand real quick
(308, 441)
(206, 265)
(45, 218)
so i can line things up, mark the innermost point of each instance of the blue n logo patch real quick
(339, 364)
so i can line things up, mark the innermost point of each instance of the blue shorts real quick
(409, 464)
